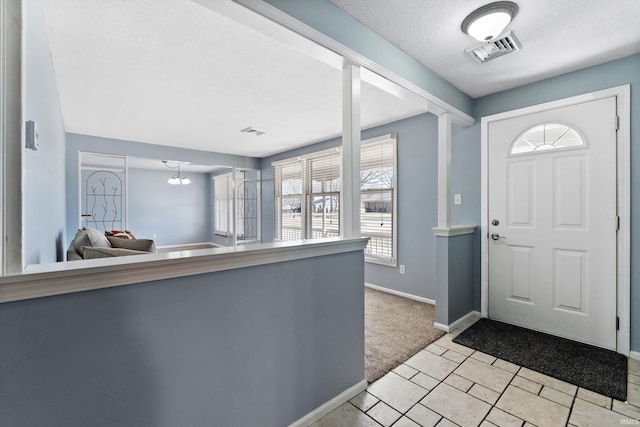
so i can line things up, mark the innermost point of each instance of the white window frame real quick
(393, 261)
(277, 199)
(305, 222)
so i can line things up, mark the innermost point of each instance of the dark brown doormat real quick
(594, 368)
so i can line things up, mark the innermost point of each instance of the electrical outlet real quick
(457, 199)
(154, 236)
(402, 270)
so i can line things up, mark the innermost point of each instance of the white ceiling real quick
(172, 72)
(557, 36)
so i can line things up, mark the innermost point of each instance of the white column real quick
(10, 138)
(350, 204)
(444, 170)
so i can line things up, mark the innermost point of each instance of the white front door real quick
(552, 221)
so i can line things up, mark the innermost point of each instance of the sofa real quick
(89, 243)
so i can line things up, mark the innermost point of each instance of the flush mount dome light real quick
(489, 21)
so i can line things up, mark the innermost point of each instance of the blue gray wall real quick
(77, 143)
(417, 203)
(248, 347)
(176, 214)
(43, 182)
(454, 256)
(466, 151)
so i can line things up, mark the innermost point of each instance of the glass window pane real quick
(291, 223)
(325, 216)
(549, 136)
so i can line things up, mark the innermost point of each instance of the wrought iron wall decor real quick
(104, 201)
(247, 210)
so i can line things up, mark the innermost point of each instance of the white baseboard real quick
(401, 294)
(329, 406)
(634, 355)
(441, 327)
(453, 325)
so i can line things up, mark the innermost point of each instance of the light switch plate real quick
(31, 136)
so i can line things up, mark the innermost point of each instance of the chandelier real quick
(178, 179)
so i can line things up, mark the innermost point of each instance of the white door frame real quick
(623, 205)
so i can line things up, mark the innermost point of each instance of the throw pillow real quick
(96, 238)
(145, 245)
(120, 234)
(125, 234)
(79, 240)
(89, 237)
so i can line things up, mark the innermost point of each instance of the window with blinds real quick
(307, 197)
(289, 194)
(378, 198)
(323, 200)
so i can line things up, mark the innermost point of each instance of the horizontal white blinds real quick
(323, 199)
(324, 173)
(288, 223)
(377, 165)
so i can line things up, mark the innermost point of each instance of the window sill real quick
(393, 263)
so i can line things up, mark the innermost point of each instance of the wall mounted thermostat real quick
(32, 138)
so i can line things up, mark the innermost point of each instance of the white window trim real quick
(227, 178)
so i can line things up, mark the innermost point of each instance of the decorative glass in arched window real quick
(549, 136)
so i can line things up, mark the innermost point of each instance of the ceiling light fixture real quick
(489, 21)
(178, 179)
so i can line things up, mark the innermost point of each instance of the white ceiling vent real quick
(495, 48)
(256, 132)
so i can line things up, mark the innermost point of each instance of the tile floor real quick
(447, 384)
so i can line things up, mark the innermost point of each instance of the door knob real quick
(496, 236)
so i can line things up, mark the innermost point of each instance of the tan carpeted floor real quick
(395, 329)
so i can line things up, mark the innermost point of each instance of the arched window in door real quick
(548, 136)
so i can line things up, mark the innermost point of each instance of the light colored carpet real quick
(395, 329)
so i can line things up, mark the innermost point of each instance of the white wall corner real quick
(441, 327)
(329, 406)
(472, 316)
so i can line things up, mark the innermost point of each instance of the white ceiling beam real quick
(436, 105)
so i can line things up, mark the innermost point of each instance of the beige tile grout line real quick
(515, 374)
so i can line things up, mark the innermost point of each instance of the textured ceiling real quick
(172, 72)
(557, 36)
